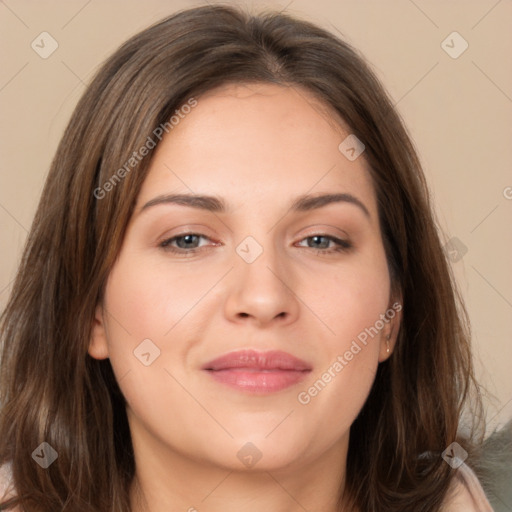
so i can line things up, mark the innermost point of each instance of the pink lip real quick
(258, 372)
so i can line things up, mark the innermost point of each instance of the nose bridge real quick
(260, 266)
(260, 283)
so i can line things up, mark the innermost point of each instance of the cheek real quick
(153, 314)
(347, 361)
(352, 299)
(142, 342)
(148, 301)
(137, 317)
(351, 303)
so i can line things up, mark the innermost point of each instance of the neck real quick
(169, 481)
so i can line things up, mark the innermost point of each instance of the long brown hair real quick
(53, 391)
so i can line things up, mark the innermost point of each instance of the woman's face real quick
(245, 317)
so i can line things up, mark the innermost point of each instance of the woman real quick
(233, 295)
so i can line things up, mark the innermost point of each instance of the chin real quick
(259, 453)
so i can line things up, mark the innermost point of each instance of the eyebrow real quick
(216, 204)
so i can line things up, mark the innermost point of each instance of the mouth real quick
(258, 372)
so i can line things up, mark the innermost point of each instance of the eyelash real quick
(341, 245)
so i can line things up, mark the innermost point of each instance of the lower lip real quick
(258, 381)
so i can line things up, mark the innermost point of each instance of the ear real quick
(98, 346)
(389, 334)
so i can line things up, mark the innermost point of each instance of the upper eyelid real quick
(190, 230)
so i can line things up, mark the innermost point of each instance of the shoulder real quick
(7, 490)
(466, 493)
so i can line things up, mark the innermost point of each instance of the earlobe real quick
(390, 333)
(386, 347)
(98, 346)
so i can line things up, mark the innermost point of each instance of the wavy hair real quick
(52, 391)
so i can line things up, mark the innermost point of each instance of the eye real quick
(189, 243)
(184, 243)
(322, 242)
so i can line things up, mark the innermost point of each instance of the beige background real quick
(459, 113)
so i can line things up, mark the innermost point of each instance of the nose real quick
(262, 292)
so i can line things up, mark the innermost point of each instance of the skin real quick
(258, 146)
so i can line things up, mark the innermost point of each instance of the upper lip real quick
(252, 359)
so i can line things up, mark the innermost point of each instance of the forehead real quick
(257, 142)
